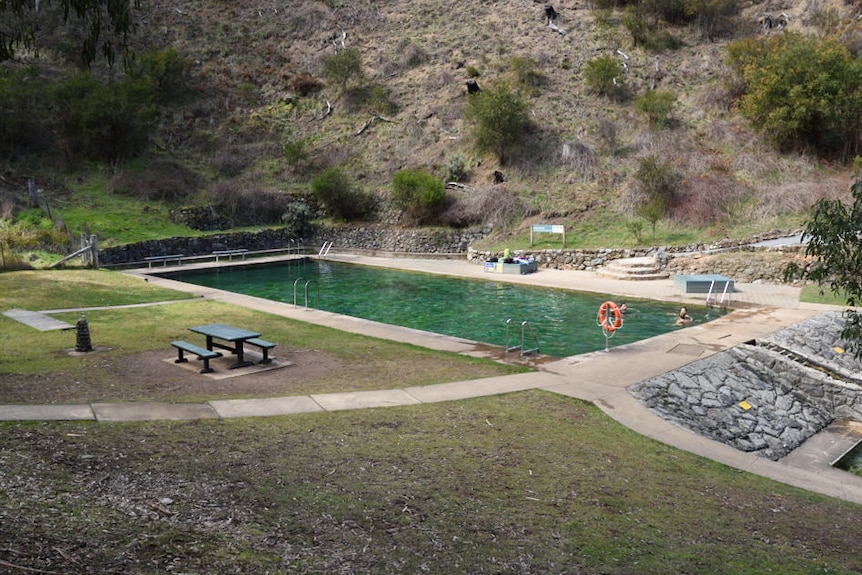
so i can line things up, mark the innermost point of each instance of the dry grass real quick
(250, 59)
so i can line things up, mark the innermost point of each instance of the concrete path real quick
(37, 320)
(599, 377)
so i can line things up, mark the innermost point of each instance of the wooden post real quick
(94, 250)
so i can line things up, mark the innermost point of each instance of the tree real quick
(802, 92)
(834, 235)
(499, 117)
(108, 24)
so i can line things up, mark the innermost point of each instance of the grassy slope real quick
(418, 52)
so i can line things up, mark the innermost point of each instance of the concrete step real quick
(632, 277)
(644, 268)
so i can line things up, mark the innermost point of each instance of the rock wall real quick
(370, 238)
(761, 265)
(761, 399)
(192, 246)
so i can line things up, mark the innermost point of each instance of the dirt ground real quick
(153, 376)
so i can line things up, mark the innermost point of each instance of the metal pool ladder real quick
(324, 249)
(526, 330)
(724, 300)
(307, 283)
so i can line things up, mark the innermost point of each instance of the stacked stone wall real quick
(761, 265)
(762, 399)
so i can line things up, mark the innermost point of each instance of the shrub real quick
(802, 92)
(456, 169)
(344, 67)
(526, 76)
(635, 228)
(494, 206)
(296, 153)
(297, 218)
(580, 158)
(168, 72)
(106, 122)
(604, 76)
(647, 33)
(499, 118)
(658, 183)
(338, 194)
(305, 84)
(162, 180)
(246, 206)
(657, 105)
(418, 194)
(607, 134)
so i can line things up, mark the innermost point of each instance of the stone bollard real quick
(82, 340)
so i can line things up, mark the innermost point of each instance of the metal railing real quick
(724, 300)
(305, 291)
(526, 330)
(324, 249)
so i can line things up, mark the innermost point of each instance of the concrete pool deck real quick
(598, 377)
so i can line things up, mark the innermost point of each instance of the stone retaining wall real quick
(371, 238)
(761, 265)
(764, 400)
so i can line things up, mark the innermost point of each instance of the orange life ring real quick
(609, 318)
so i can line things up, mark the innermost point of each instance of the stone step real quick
(658, 275)
(643, 268)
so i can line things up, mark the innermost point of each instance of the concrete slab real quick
(37, 320)
(482, 387)
(46, 413)
(152, 411)
(264, 407)
(221, 365)
(364, 399)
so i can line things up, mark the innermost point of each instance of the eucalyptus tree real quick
(834, 244)
(106, 24)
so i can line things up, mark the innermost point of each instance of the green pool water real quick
(852, 462)
(561, 322)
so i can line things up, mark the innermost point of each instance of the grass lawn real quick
(528, 483)
(525, 483)
(133, 343)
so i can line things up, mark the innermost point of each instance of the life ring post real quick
(610, 319)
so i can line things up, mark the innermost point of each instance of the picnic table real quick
(234, 336)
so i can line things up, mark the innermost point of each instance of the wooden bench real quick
(203, 353)
(164, 259)
(229, 254)
(264, 346)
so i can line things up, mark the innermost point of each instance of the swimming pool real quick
(560, 322)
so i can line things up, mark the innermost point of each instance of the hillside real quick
(263, 118)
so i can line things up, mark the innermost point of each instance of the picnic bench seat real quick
(264, 346)
(230, 254)
(164, 259)
(203, 353)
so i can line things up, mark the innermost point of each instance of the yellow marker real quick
(838, 349)
(745, 405)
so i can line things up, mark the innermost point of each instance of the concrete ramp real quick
(37, 320)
